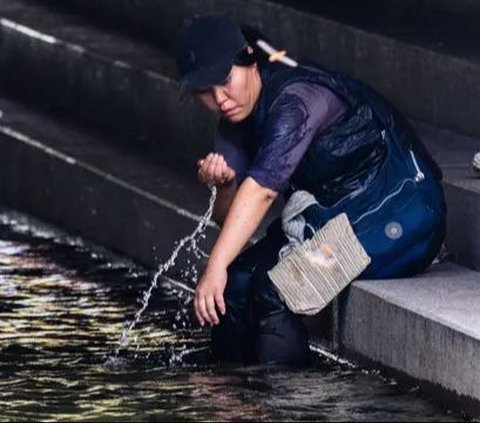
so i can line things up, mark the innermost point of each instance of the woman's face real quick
(236, 97)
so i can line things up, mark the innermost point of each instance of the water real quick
(63, 305)
(191, 242)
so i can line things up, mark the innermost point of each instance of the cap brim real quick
(205, 78)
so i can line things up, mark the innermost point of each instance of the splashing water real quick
(191, 241)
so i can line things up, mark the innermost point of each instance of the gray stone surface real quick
(105, 80)
(463, 239)
(458, 7)
(466, 7)
(421, 65)
(114, 194)
(426, 327)
(454, 153)
(111, 195)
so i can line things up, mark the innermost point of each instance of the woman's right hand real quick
(214, 170)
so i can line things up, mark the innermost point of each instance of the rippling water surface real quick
(63, 306)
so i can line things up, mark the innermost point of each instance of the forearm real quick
(249, 207)
(225, 196)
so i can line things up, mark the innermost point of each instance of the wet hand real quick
(214, 170)
(209, 296)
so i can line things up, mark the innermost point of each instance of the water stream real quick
(191, 244)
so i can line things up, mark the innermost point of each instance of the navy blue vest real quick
(371, 166)
(344, 162)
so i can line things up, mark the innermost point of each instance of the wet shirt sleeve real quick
(298, 114)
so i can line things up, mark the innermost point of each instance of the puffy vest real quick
(371, 166)
(361, 159)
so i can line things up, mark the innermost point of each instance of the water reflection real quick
(62, 308)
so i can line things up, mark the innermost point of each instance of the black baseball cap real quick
(205, 49)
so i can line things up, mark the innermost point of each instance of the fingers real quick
(204, 166)
(213, 169)
(211, 166)
(212, 313)
(201, 168)
(220, 303)
(205, 308)
(198, 314)
(229, 174)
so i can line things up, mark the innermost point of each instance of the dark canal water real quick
(63, 306)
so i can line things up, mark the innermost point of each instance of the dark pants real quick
(258, 328)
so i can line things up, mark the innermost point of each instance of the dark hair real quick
(245, 58)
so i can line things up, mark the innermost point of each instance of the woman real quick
(284, 128)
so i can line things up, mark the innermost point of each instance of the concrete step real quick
(425, 328)
(121, 9)
(118, 195)
(419, 57)
(454, 154)
(129, 87)
(425, 26)
(106, 80)
(458, 7)
(113, 194)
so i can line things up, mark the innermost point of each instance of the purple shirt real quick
(299, 113)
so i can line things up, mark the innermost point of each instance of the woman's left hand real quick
(249, 207)
(209, 295)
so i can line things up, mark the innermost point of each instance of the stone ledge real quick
(419, 73)
(424, 327)
(105, 81)
(110, 196)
